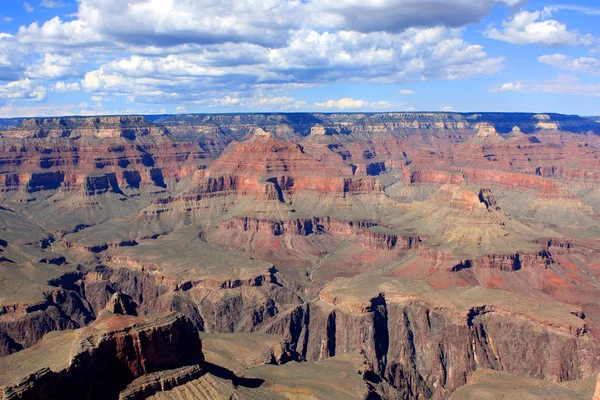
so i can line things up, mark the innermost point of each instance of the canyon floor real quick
(300, 256)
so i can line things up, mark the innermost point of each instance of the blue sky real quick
(65, 57)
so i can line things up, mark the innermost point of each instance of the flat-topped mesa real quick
(512, 262)
(365, 231)
(545, 122)
(127, 127)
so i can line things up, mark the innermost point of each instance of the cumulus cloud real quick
(245, 53)
(406, 92)
(24, 89)
(28, 7)
(53, 66)
(582, 64)
(563, 84)
(267, 22)
(257, 101)
(169, 23)
(511, 87)
(11, 58)
(537, 28)
(309, 58)
(62, 87)
(397, 15)
(58, 34)
(353, 104)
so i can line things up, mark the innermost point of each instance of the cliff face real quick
(85, 128)
(100, 360)
(94, 155)
(290, 125)
(426, 344)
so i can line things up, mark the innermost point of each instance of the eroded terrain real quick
(395, 256)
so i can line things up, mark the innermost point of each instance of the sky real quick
(92, 57)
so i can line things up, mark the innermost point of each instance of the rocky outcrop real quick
(382, 240)
(513, 262)
(150, 384)
(368, 235)
(486, 136)
(487, 198)
(426, 343)
(128, 127)
(100, 360)
(95, 155)
(23, 325)
(524, 181)
(440, 177)
(303, 227)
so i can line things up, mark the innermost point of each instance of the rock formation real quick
(390, 255)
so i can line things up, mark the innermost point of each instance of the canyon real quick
(300, 256)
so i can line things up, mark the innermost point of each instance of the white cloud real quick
(511, 87)
(395, 16)
(352, 104)
(62, 87)
(582, 64)
(100, 99)
(11, 58)
(309, 58)
(406, 92)
(579, 9)
(563, 85)
(52, 3)
(28, 7)
(245, 53)
(172, 22)
(343, 104)
(260, 102)
(433, 53)
(58, 34)
(24, 89)
(37, 110)
(6, 19)
(54, 66)
(168, 23)
(536, 28)
(446, 108)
